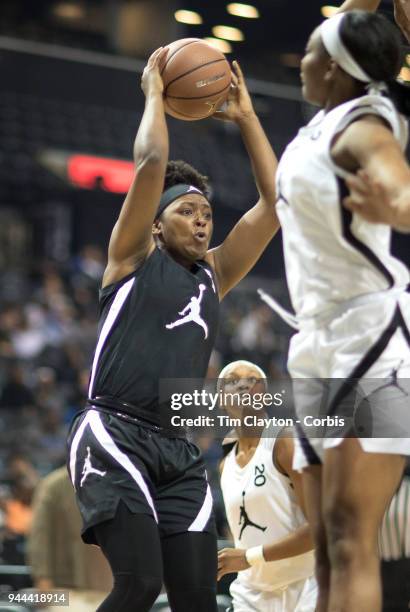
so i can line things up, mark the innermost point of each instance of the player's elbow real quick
(151, 159)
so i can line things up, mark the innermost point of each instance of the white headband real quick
(241, 362)
(330, 33)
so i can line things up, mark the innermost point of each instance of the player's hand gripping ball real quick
(196, 78)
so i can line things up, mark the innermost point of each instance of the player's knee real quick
(347, 540)
(136, 592)
(322, 563)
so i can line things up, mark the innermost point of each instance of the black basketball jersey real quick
(160, 322)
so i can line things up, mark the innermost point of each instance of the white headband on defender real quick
(241, 362)
(330, 33)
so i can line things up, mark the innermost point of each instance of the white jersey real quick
(332, 255)
(261, 508)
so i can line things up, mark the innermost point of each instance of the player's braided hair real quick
(179, 172)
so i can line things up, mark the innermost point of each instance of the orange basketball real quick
(196, 79)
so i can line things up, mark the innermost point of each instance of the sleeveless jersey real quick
(159, 322)
(332, 255)
(261, 508)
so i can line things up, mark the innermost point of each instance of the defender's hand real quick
(151, 81)
(368, 198)
(231, 560)
(239, 104)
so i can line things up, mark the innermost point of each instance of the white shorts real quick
(353, 375)
(300, 596)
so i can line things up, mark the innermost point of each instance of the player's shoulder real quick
(282, 452)
(379, 107)
(110, 289)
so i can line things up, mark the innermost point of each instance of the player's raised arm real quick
(239, 252)
(131, 239)
(364, 5)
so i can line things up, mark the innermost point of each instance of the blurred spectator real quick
(29, 338)
(15, 393)
(19, 466)
(50, 441)
(17, 509)
(91, 262)
(255, 338)
(57, 555)
(17, 517)
(48, 394)
(210, 447)
(52, 290)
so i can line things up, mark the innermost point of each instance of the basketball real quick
(196, 77)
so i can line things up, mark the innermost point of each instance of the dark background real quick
(70, 83)
(55, 97)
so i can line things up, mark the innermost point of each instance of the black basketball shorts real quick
(112, 458)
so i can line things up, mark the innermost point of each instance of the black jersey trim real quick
(369, 110)
(360, 111)
(372, 355)
(282, 197)
(226, 449)
(308, 450)
(346, 218)
(403, 326)
(359, 107)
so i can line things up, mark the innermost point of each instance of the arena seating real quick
(31, 123)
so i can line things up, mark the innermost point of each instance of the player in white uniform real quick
(349, 294)
(263, 501)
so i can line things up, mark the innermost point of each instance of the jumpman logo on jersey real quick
(394, 380)
(192, 312)
(245, 520)
(88, 468)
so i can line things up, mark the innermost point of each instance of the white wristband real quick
(254, 556)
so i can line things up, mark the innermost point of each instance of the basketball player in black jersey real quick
(142, 487)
